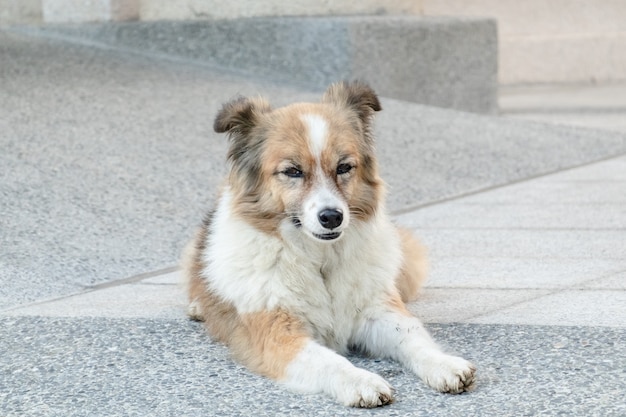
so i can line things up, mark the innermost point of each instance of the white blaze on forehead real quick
(324, 193)
(317, 133)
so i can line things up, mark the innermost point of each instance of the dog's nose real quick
(330, 218)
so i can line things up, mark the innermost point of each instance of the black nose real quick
(330, 218)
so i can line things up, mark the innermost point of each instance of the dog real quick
(299, 262)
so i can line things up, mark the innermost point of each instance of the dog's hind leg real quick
(414, 266)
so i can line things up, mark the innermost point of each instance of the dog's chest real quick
(329, 287)
(342, 286)
(332, 307)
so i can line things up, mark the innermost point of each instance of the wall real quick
(546, 41)
(20, 11)
(219, 9)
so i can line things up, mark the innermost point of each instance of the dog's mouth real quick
(327, 236)
(321, 236)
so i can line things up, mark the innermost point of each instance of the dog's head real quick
(309, 166)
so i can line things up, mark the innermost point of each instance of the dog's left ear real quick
(356, 95)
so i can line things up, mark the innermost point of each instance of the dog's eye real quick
(293, 172)
(344, 169)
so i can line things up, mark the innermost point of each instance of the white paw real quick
(447, 373)
(360, 388)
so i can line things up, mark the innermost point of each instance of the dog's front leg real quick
(319, 369)
(396, 334)
(276, 345)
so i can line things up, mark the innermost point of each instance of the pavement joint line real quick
(602, 181)
(564, 87)
(491, 311)
(133, 279)
(533, 258)
(544, 292)
(546, 229)
(576, 286)
(532, 297)
(607, 275)
(416, 207)
(46, 301)
(94, 288)
(579, 286)
(543, 204)
(585, 289)
(564, 110)
(466, 287)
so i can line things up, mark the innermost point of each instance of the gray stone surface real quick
(155, 297)
(429, 154)
(113, 367)
(602, 106)
(446, 62)
(109, 159)
(544, 251)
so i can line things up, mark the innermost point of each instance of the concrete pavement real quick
(597, 106)
(106, 168)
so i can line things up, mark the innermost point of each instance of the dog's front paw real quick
(450, 374)
(360, 388)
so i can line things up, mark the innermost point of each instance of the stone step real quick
(444, 62)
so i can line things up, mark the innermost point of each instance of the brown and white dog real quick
(299, 261)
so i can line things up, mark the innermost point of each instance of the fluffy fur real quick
(299, 262)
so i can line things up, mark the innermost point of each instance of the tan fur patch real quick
(398, 305)
(271, 341)
(414, 267)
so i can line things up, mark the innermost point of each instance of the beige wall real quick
(60, 11)
(544, 41)
(220, 9)
(107, 10)
(20, 11)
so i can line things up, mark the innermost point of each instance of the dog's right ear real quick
(239, 116)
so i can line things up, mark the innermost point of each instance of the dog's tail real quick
(414, 267)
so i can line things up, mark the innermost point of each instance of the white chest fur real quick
(326, 285)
